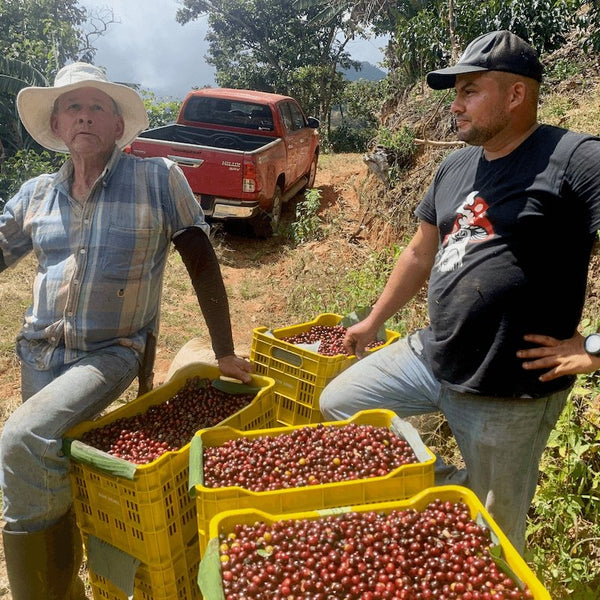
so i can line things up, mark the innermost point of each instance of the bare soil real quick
(258, 274)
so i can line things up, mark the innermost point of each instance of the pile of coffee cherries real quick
(330, 336)
(439, 552)
(306, 456)
(169, 426)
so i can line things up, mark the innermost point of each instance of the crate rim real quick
(522, 570)
(171, 386)
(285, 430)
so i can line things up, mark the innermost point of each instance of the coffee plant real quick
(564, 520)
(307, 225)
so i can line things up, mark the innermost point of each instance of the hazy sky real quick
(150, 48)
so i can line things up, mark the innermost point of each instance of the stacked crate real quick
(509, 561)
(149, 513)
(400, 483)
(300, 374)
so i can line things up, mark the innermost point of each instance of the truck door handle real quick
(184, 160)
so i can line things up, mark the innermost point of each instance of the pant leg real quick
(502, 441)
(393, 377)
(33, 470)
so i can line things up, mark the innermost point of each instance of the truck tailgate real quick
(211, 160)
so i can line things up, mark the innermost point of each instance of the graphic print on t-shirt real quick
(471, 225)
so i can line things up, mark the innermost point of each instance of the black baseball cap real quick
(494, 51)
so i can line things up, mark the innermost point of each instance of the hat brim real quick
(443, 79)
(35, 105)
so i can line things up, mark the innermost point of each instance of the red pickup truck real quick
(244, 153)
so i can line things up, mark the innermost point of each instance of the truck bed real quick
(230, 140)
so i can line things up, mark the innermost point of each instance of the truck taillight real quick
(249, 180)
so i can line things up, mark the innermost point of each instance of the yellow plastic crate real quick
(152, 516)
(209, 573)
(300, 375)
(176, 579)
(402, 482)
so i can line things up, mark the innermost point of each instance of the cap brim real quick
(35, 105)
(443, 79)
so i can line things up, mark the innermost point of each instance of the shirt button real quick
(75, 281)
(86, 221)
(82, 251)
(52, 339)
(70, 313)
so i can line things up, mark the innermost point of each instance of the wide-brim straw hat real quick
(35, 104)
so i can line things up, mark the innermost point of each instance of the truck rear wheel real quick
(266, 224)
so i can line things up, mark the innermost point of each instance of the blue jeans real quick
(501, 439)
(33, 470)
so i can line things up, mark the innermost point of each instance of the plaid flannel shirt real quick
(100, 262)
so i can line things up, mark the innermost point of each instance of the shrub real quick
(307, 225)
(22, 166)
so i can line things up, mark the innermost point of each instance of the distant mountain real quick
(367, 71)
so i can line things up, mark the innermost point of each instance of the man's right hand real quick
(236, 367)
(358, 337)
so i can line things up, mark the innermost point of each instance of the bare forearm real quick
(408, 277)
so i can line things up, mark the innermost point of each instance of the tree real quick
(429, 34)
(434, 35)
(272, 45)
(161, 111)
(38, 37)
(14, 75)
(42, 33)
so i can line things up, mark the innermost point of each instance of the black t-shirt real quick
(516, 235)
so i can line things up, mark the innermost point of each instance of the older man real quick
(101, 229)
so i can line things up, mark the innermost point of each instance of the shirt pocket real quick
(130, 254)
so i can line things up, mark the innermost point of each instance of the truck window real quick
(298, 120)
(286, 116)
(292, 116)
(234, 113)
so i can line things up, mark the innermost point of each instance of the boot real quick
(44, 565)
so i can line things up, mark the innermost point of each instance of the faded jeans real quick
(501, 439)
(33, 470)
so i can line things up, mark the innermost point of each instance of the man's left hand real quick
(236, 367)
(558, 357)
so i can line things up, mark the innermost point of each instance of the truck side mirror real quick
(313, 123)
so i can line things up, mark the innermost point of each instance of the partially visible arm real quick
(558, 357)
(200, 259)
(408, 277)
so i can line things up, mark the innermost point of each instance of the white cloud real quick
(150, 48)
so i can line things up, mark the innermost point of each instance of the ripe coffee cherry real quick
(169, 426)
(360, 555)
(306, 456)
(331, 338)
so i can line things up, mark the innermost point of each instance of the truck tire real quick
(266, 224)
(312, 173)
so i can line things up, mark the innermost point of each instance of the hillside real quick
(366, 71)
(360, 215)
